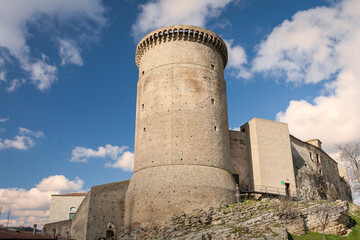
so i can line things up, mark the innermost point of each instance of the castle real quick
(185, 155)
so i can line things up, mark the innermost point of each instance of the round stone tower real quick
(182, 135)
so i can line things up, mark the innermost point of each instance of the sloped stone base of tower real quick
(155, 194)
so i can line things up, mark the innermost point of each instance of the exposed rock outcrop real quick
(266, 219)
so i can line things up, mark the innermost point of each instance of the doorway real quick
(109, 235)
(287, 189)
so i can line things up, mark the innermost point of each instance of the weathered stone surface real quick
(272, 219)
(317, 174)
(182, 134)
(102, 210)
(308, 219)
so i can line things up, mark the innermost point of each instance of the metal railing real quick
(266, 190)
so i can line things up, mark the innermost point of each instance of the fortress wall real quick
(170, 190)
(345, 184)
(106, 209)
(103, 206)
(270, 156)
(76, 227)
(239, 159)
(79, 224)
(317, 174)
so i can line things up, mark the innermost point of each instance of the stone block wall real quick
(101, 211)
(60, 228)
(106, 209)
(317, 174)
(269, 152)
(240, 163)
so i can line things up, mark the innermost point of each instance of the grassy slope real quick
(354, 235)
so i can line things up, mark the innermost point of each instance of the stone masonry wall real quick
(239, 159)
(182, 135)
(106, 209)
(61, 228)
(317, 175)
(270, 154)
(79, 224)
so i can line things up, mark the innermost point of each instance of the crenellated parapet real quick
(182, 33)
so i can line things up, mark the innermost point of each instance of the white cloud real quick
(2, 76)
(160, 13)
(59, 183)
(123, 160)
(304, 49)
(69, 53)
(316, 45)
(25, 131)
(235, 129)
(22, 141)
(16, 15)
(2, 120)
(19, 142)
(32, 206)
(237, 60)
(14, 84)
(43, 75)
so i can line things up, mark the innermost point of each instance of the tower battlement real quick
(181, 33)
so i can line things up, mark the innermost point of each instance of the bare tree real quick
(284, 208)
(350, 152)
(323, 215)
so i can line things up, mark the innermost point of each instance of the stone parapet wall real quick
(178, 33)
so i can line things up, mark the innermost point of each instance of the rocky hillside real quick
(265, 219)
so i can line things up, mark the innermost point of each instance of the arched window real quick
(72, 212)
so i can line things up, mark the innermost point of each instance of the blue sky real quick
(68, 82)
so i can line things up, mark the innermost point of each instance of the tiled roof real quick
(70, 194)
(12, 234)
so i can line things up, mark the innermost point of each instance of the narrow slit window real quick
(142, 106)
(212, 101)
(215, 128)
(143, 72)
(144, 129)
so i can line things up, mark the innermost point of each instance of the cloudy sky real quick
(68, 82)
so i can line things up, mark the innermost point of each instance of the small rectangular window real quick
(142, 106)
(311, 156)
(212, 66)
(71, 215)
(144, 129)
(143, 72)
(215, 128)
(236, 178)
(212, 101)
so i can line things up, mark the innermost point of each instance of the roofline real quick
(314, 147)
